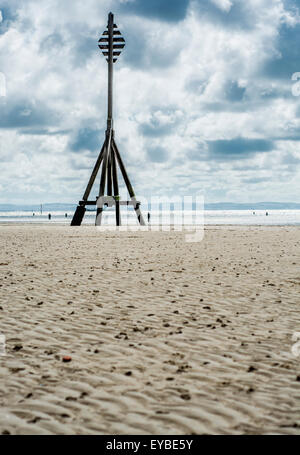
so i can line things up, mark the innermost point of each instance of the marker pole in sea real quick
(111, 43)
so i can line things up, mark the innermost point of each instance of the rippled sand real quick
(165, 337)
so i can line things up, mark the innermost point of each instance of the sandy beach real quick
(144, 333)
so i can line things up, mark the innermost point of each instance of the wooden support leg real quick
(103, 177)
(78, 215)
(138, 212)
(116, 187)
(109, 171)
(80, 210)
(128, 184)
(99, 216)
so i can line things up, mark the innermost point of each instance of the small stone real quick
(185, 396)
(66, 358)
(128, 373)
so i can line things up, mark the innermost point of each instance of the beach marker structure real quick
(111, 43)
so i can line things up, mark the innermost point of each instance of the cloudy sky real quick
(204, 98)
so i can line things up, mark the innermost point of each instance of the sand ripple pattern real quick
(166, 337)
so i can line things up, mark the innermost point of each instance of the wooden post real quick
(128, 184)
(116, 188)
(111, 44)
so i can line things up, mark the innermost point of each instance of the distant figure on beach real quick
(49, 216)
(33, 214)
(148, 217)
(66, 215)
(267, 214)
(253, 213)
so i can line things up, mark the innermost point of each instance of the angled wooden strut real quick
(109, 158)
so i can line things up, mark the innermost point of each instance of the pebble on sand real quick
(66, 358)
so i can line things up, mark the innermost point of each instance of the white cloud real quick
(172, 94)
(225, 5)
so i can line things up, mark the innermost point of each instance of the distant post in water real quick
(111, 43)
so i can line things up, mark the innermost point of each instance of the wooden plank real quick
(87, 202)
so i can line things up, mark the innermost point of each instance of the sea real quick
(213, 214)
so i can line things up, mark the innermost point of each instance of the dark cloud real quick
(84, 43)
(43, 132)
(297, 113)
(293, 137)
(194, 155)
(286, 61)
(241, 166)
(85, 47)
(26, 113)
(164, 10)
(199, 153)
(226, 106)
(86, 139)
(249, 103)
(235, 100)
(156, 127)
(251, 98)
(234, 92)
(81, 164)
(196, 85)
(157, 154)
(255, 180)
(290, 159)
(141, 52)
(8, 17)
(240, 15)
(238, 148)
(271, 93)
(52, 41)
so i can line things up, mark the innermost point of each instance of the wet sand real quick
(144, 333)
